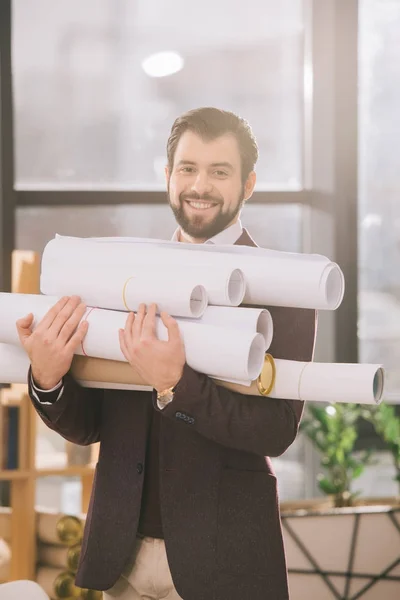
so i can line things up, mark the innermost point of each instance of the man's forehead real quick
(194, 148)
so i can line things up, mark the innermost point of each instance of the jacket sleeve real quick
(264, 426)
(76, 415)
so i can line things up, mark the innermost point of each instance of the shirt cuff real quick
(162, 404)
(36, 391)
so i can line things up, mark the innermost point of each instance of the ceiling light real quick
(162, 64)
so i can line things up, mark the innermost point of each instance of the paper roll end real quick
(266, 379)
(198, 301)
(334, 287)
(379, 385)
(236, 287)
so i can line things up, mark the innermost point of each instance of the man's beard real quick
(195, 226)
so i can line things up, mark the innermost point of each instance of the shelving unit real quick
(25, 279)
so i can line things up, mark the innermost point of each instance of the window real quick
(379, 188)
(92, 109)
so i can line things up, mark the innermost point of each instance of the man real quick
(184, 502)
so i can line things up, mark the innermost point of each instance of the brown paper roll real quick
(58, 583)
(63, 557)
(112, 371)
(57, 528)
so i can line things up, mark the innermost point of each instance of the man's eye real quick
(221, 173)
(187, 169)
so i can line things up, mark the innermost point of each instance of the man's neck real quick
(188, 239)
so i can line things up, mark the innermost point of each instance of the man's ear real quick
(167, 174)
(249, 185)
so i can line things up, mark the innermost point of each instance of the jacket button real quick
(139, 468)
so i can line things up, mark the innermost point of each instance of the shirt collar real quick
(230, 235)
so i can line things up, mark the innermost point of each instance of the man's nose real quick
(202, 185)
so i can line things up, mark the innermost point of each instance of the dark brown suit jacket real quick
(218, 492)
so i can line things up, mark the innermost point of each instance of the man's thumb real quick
(24, 326)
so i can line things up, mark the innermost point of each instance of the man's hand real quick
(52, 345)
(159, 363)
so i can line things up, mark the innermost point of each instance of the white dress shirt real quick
(227, 236)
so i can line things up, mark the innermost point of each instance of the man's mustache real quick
(198, 198)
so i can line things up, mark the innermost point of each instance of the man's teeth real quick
(201, 204)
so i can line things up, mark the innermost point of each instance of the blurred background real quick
(89, 93)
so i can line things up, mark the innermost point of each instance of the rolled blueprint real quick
(272, 278)
(181, 291)
(258, 320)
(232, 354)
(59, 556)
(57, 583)
(324, 382)
(176, 293)
(58, 528)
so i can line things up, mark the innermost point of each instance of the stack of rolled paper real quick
(59, 547)
(223, 340)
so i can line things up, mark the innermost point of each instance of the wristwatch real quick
(165, 397)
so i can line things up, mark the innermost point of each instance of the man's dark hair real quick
(210, 123)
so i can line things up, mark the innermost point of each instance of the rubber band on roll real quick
(124, 294)
(269, 367)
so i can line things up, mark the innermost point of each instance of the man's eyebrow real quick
(186, 162)
(227, 165)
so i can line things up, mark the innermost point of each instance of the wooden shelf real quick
(23, 481)
(11, 474)
(77, 471)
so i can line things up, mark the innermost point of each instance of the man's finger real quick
(149, 323)
(52, 314)
(64, 314)
(174, 333)
(122, 344)
(78, 337)
(129, 323)
(24, 327)
(136, 331)
(69, 327)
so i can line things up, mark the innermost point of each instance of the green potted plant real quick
(387, 426)
(333, 432)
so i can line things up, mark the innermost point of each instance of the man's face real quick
(205, 188)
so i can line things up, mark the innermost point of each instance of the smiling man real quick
(210, 173)
(184, 501)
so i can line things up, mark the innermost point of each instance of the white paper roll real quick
(14, 365)
(175, 292)
(258, 320)
(329, 382)
(272, 278)
(103, 283)
(233, 354)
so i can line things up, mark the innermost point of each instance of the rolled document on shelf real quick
(57, 583)
(272, 278)
(231, 354)
(323, 382)
(65, 557)
(58, 528)
(258, 320)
